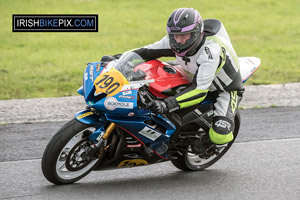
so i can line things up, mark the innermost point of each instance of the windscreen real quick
(126, 65)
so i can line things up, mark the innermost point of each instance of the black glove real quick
(107, 58)
(159, 107)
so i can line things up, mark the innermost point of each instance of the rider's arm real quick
(207, 63)
(156, 50)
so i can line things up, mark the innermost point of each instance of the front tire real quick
(191, 162)
(62, 161)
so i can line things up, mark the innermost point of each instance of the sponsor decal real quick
(162, 149)
(133, 163)
(92, 73)
(85, 115)
(223, 54)
(150, 133)
(127, 92)
(90, 103)
(253, 69)
(234, 100)
(208, 53)
(98, 67)
(175, 28)
(133, 145)
(85, 76)
(131, 140)
(210, 113)
(126, 97)
(130, 114)
(112, 103)
(223, 124)
(250, 61)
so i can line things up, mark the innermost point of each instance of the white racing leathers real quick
(213, 69)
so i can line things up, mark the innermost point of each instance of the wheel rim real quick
(196, 161)
(61, 164)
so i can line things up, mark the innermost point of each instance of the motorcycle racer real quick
(209, 59)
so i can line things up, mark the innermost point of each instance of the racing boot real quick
(202, 145)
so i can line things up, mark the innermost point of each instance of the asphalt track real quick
(263, 164)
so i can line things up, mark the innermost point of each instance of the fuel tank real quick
(168, 80)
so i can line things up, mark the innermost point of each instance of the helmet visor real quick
(182, 41)
(180, 37)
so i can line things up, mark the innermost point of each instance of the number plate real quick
(110, 82)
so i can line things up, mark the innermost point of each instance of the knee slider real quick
(221, 130)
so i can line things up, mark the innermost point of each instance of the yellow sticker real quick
(133, 163)
(110, 82)
(85, 115)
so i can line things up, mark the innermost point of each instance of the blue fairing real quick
(121, 109)
(80, 91)
(92, 71)
(123, 104)
(148, 135)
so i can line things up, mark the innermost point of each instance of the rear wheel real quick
(64, 160)
(192, 162)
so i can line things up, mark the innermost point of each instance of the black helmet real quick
(182, 21)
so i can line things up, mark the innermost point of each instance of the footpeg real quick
(198, 147)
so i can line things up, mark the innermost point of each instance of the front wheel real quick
(63, 159)
(192, 162)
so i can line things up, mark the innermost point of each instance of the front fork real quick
(97, 149)
(109, 129)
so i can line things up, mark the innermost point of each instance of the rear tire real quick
(192, 162)
(62, 162)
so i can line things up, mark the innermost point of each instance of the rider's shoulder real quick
(211, 45)
(209, 52)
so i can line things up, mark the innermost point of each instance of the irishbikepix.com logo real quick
(55, 23)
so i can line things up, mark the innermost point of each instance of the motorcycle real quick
(118, 130)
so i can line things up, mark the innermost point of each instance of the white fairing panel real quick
(248, 65)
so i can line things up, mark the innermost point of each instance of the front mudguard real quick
(90, 118)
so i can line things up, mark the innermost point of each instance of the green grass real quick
(52, 64)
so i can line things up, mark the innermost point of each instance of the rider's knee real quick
(221, 131)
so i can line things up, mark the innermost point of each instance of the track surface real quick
(263, 164)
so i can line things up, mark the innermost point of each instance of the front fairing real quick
(125, 101)
(91, 72)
